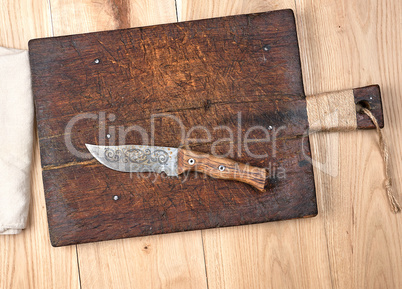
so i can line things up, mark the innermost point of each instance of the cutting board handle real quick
(341, 110)
(220, 168)
(368, 97)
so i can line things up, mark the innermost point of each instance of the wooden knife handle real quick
(220, 168)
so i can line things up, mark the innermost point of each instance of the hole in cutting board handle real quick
(362, 104)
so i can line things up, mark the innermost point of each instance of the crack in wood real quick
(56, 167)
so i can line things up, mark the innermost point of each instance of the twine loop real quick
(385, 155)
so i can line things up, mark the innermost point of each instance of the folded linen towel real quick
(16, 137)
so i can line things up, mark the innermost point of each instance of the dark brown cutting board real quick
(228, 74)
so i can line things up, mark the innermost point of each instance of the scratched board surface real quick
(229, 86)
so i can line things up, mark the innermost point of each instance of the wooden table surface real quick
(354, 242)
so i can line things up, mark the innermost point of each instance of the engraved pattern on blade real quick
(137, 158)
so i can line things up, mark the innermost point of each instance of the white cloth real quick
(16, 137)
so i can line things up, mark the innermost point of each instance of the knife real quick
(176, 161)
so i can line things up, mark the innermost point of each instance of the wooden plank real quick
(163, 261)
(73, 17)
(289, 254)
(23, 20)
(169, 261)
(353, 43)
(200, 9)
(286, 254)
(27, 259)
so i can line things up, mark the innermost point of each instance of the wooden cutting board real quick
(232, 86)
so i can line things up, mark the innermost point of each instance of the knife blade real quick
(176, 161)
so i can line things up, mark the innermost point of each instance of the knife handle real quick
(220, 168)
